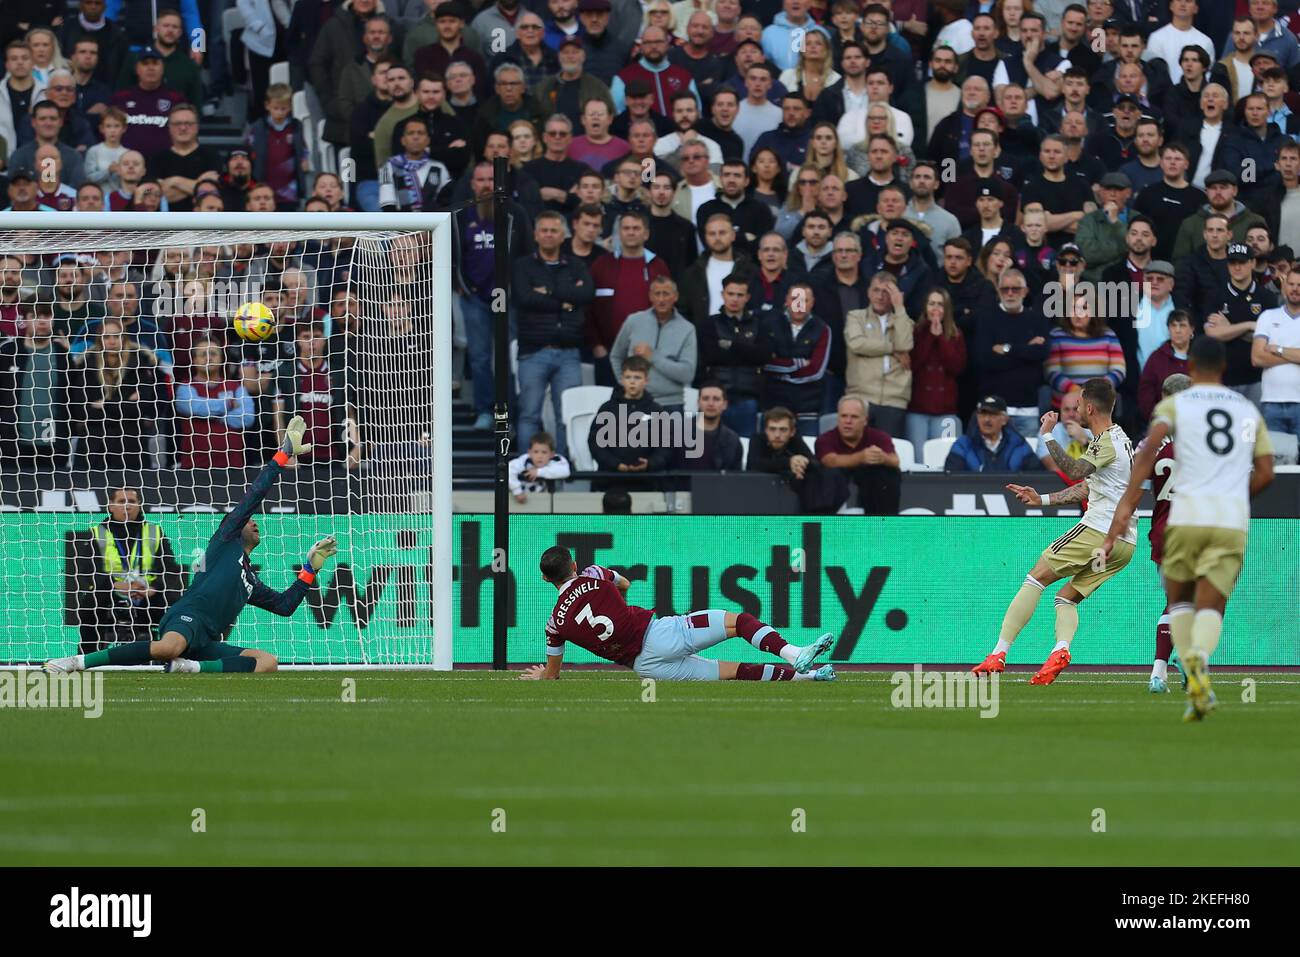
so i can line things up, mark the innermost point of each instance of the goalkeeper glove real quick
(325, 549)
(293, 434)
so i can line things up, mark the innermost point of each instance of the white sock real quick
(1002, 647)
(1160, 669)
(790, 653)
(79, 662)
(1060, 645)
(806, 676)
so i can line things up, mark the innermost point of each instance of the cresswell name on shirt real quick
(570, 599)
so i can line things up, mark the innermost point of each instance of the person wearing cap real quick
(1236, 309)
(169, 42)
(1221, 194)
(990, 444)
(568, 90)
(446, 46)
(1113, 143)
(23, 192)
(1168, 42)
(1252, 144)
(639, 100)
(992, 224)
(607, 50)
(1101, 233)
(1274, 37)
(147, 105)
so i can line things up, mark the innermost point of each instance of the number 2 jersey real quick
(1219, 434)
(592, 614)
(1162, 488)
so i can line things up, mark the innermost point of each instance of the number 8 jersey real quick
(1219, 434)
(592, 614)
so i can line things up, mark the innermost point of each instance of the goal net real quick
(132, 417)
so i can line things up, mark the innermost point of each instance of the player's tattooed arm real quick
(1073, 468)
(1072, 495)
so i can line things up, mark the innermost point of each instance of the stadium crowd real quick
(952, 212)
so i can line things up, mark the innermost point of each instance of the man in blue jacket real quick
(990, 445)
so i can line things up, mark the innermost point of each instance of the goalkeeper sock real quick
(131, 653)
(1180, 627)
(1207, 625)
(765, 637)
(1067, 622)
(1020, 610)
(750, 672)
(238, 663)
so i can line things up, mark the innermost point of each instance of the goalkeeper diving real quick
(192, 629)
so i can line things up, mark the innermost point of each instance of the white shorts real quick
(668, 652)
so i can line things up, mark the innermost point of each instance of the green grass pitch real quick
(587, 773)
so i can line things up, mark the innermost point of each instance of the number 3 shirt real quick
(592, 614)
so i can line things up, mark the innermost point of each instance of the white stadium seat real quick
(690, 400)
(578, 408)
(279, 72)
(744, 452)
(1286, 449)
(906, 455)
(935, 452)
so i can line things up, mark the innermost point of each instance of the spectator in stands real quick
(789, 139)
(780, 450)
(33, 392)
(47, 124)
(23, 192)
(1199, 278)
(90, 25)
(1010, 345)
(53, 192)
(126, 575)
(672, 237)
(640, 100)
(460, 93)
(799, 345)
(474, 260)
(510, 102)
(566, 91)
(529, 51)
(541, 464)
(756, 114)
(1082, 347)
(180, 71)
(102, 159)
(1221, 192)
(19, 90)
(556, 174)
(73, 302)
(584, 243)
(625, 193)
(606, 53)
(622, 287)
(1276, 350)
(866, 456)
(702, 282)
(365, 121)
(879, 341)
(90, 198)
(596, 146)
(653, 67)
(61, 90)
(12, 296)
(617, 448)
(278, 149)
(938, 359)
(718, 446)
(122, 304)
(991, 443)
(686, 119)
(92, 92)
(732, 355)
(1237, 307)
(114, 399)
(551, 292)
(413, 181)
(697, 56)
(146, 106)
(433, 52)
(179, 167)
(215, 411)
(337, 46)
(1165, 361)
(354, 82)
(311, 386)
(663, 338)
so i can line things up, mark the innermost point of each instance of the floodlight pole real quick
(501, 413)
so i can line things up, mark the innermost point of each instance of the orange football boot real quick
(1052, 667)
(994, 662)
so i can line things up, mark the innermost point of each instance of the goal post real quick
(120, 369)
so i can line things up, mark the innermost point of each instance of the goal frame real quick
(439, 225)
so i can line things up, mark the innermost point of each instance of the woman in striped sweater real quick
(1082, 347)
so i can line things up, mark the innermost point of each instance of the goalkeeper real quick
(192, 628)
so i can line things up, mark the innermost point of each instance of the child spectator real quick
(279, 149)
(529, 471)
(102, 159)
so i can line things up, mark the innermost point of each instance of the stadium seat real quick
(690, 400)
(1286, 449)
(578, 407)
(232, 20)
(345, 161)
(280, 72)
(827, 422)
(325, 162)
(588, 373)
(935, 452)
(906, 455)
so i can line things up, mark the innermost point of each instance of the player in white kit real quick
(1224, 458)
